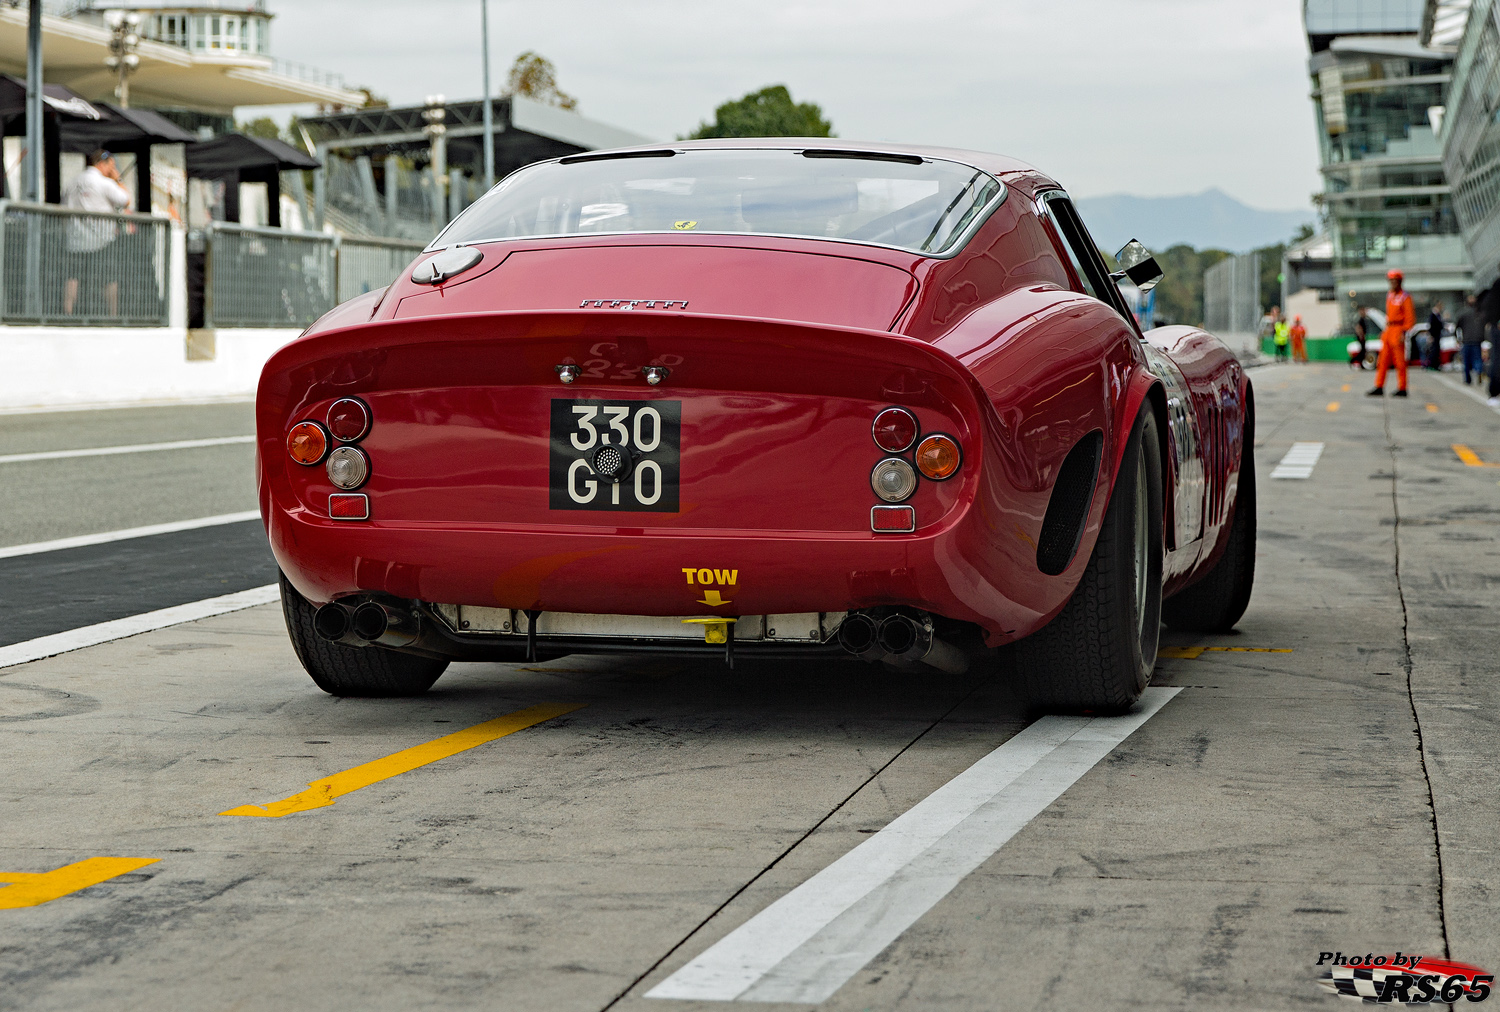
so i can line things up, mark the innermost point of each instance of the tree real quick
(769, 112)
(533, 76)
(1179, 296)
(261, 126)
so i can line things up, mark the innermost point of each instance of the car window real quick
(1064, 220)
(1082, 254)
(925, 205)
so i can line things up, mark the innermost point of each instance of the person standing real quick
(1362, 328)
(1299, 340)
(1471, 333)
(1400, 316)
(1494, 400)
(1281, 334)
(1435, 337)
(97, 188)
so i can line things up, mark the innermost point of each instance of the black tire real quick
(1217, 601)
(1097, 654)
(353, 671)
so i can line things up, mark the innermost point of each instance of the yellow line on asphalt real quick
(32, 889)
(321, 793)
(1469, 457)
(1433, 408)
(1345, 388)
(1333, 405)
(1191, 653)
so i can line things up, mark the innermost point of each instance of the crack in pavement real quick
(1406, 663)
(975, 687)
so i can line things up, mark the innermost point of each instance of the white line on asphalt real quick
(803, 947)
(105, 537)
(103, 632)
(107, 451)
(1464, 389)
(1299, 461)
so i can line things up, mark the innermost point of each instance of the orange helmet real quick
(1296, 319)
(1395, 275)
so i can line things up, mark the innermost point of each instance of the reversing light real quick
(307, 443)
(893, 479)
(348, 420)
(895, 429)
(938, 456)
(348, 467)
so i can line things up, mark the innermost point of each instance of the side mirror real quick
(1138, 266)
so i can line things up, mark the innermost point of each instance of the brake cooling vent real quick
(1069, 507)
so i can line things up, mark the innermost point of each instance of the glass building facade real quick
(1378, 93)
(1471, 139)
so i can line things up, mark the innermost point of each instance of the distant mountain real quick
(1211, 219)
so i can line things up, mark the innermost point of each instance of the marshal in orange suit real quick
(1400, 316)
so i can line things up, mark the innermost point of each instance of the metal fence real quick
(367, 264)
(267, 277)
(1231, 296)
(271, 277)
(62, 267)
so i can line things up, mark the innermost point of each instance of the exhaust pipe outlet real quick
(907, 641)
(903, 639)
(331, 622)
(384, 625)
(857, 635)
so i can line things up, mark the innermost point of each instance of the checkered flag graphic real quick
(1360, 983)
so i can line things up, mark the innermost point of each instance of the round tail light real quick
(893, 479)
(938, 457)
(307, 443)
(348, 467)
(895, 429)
(348, 420)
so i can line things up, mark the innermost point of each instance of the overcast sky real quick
(1151, 97)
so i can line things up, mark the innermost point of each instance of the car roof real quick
(1000, 165)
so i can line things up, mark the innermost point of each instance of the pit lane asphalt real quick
(1339, 797)
(43, 500)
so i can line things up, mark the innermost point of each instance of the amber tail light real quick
(307, 443)
(938, 457)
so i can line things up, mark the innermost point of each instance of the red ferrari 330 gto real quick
(764, 398)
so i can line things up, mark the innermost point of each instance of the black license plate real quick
(615, 455)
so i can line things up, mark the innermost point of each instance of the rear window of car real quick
(925, 205)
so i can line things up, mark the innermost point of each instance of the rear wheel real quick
(1216, 602)
(353, 671)
(1097, 654)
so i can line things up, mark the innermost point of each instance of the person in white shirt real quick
(97, 188)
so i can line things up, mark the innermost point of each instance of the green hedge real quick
(1319, 349)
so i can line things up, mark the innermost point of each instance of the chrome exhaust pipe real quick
(384, 625)
(901, 638)
(331, 622)
(857, 635)
(906, 641)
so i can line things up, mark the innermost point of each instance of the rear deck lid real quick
(717, 280)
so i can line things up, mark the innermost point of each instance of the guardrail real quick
(272, 277)
(61, 267)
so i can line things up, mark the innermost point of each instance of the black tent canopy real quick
(133, 130)
(59, 105)
(238, 158)
(75, 124)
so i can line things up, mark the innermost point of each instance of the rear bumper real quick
(958, 572)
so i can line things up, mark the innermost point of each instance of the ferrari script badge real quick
(631, 303)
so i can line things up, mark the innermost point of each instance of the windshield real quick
(923, 205)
